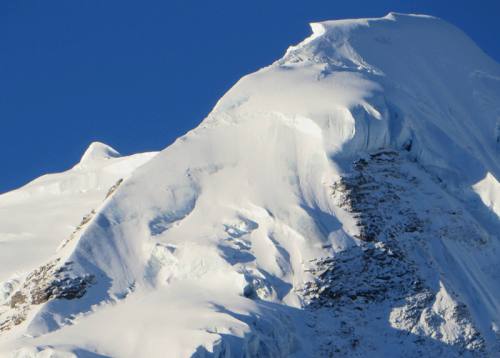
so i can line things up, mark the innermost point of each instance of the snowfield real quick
(343, 201)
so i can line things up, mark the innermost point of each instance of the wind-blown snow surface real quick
(255, 235)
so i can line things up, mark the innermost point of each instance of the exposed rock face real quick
(378, 279)
(366, 274)
(113, 188)
(49, 281)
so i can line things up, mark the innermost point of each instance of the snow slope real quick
(37, 218)
(342, 201)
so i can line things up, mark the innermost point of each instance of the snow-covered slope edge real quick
(37, 220)
(340, 201)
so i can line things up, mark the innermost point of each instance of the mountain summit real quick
(341, 202)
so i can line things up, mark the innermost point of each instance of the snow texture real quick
(343, 201)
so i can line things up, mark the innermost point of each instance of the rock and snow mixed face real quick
(341, 201)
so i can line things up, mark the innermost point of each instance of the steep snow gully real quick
(343, 201)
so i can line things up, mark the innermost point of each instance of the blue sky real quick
(138, 74)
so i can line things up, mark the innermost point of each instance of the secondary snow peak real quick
(98, 151)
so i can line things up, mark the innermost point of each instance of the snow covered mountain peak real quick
(97, 152)
(338, 202)
(329, 27)
(398, 32)
(410, 81)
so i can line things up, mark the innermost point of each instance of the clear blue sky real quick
(138, 74)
